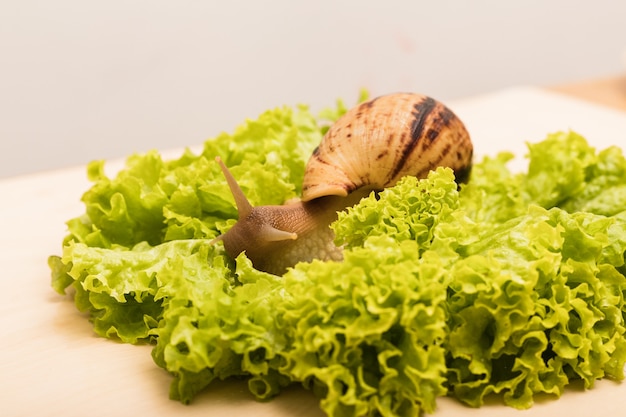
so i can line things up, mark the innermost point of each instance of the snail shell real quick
(382, 140)
(370, 147)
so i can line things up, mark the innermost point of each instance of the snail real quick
(371, 147)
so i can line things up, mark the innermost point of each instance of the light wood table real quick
(51, 363)
(606, 91)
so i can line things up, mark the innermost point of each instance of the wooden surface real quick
(609, 91)
(51, 363)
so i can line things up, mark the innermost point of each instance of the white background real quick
(81, 80)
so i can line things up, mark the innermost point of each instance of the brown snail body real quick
(369, 148)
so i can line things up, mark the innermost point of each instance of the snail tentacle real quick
(243, 205)
(271, 234)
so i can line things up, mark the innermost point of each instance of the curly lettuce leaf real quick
(410, 210)
(366, 334)
(152, 200)
(122, 288)
(530, 306)
(212, 329)
(563, 171)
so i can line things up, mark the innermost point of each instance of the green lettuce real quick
(512, 284)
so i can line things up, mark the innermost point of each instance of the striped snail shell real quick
(370, 147)
(382, 140)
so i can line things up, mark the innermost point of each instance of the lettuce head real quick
(512, 284)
